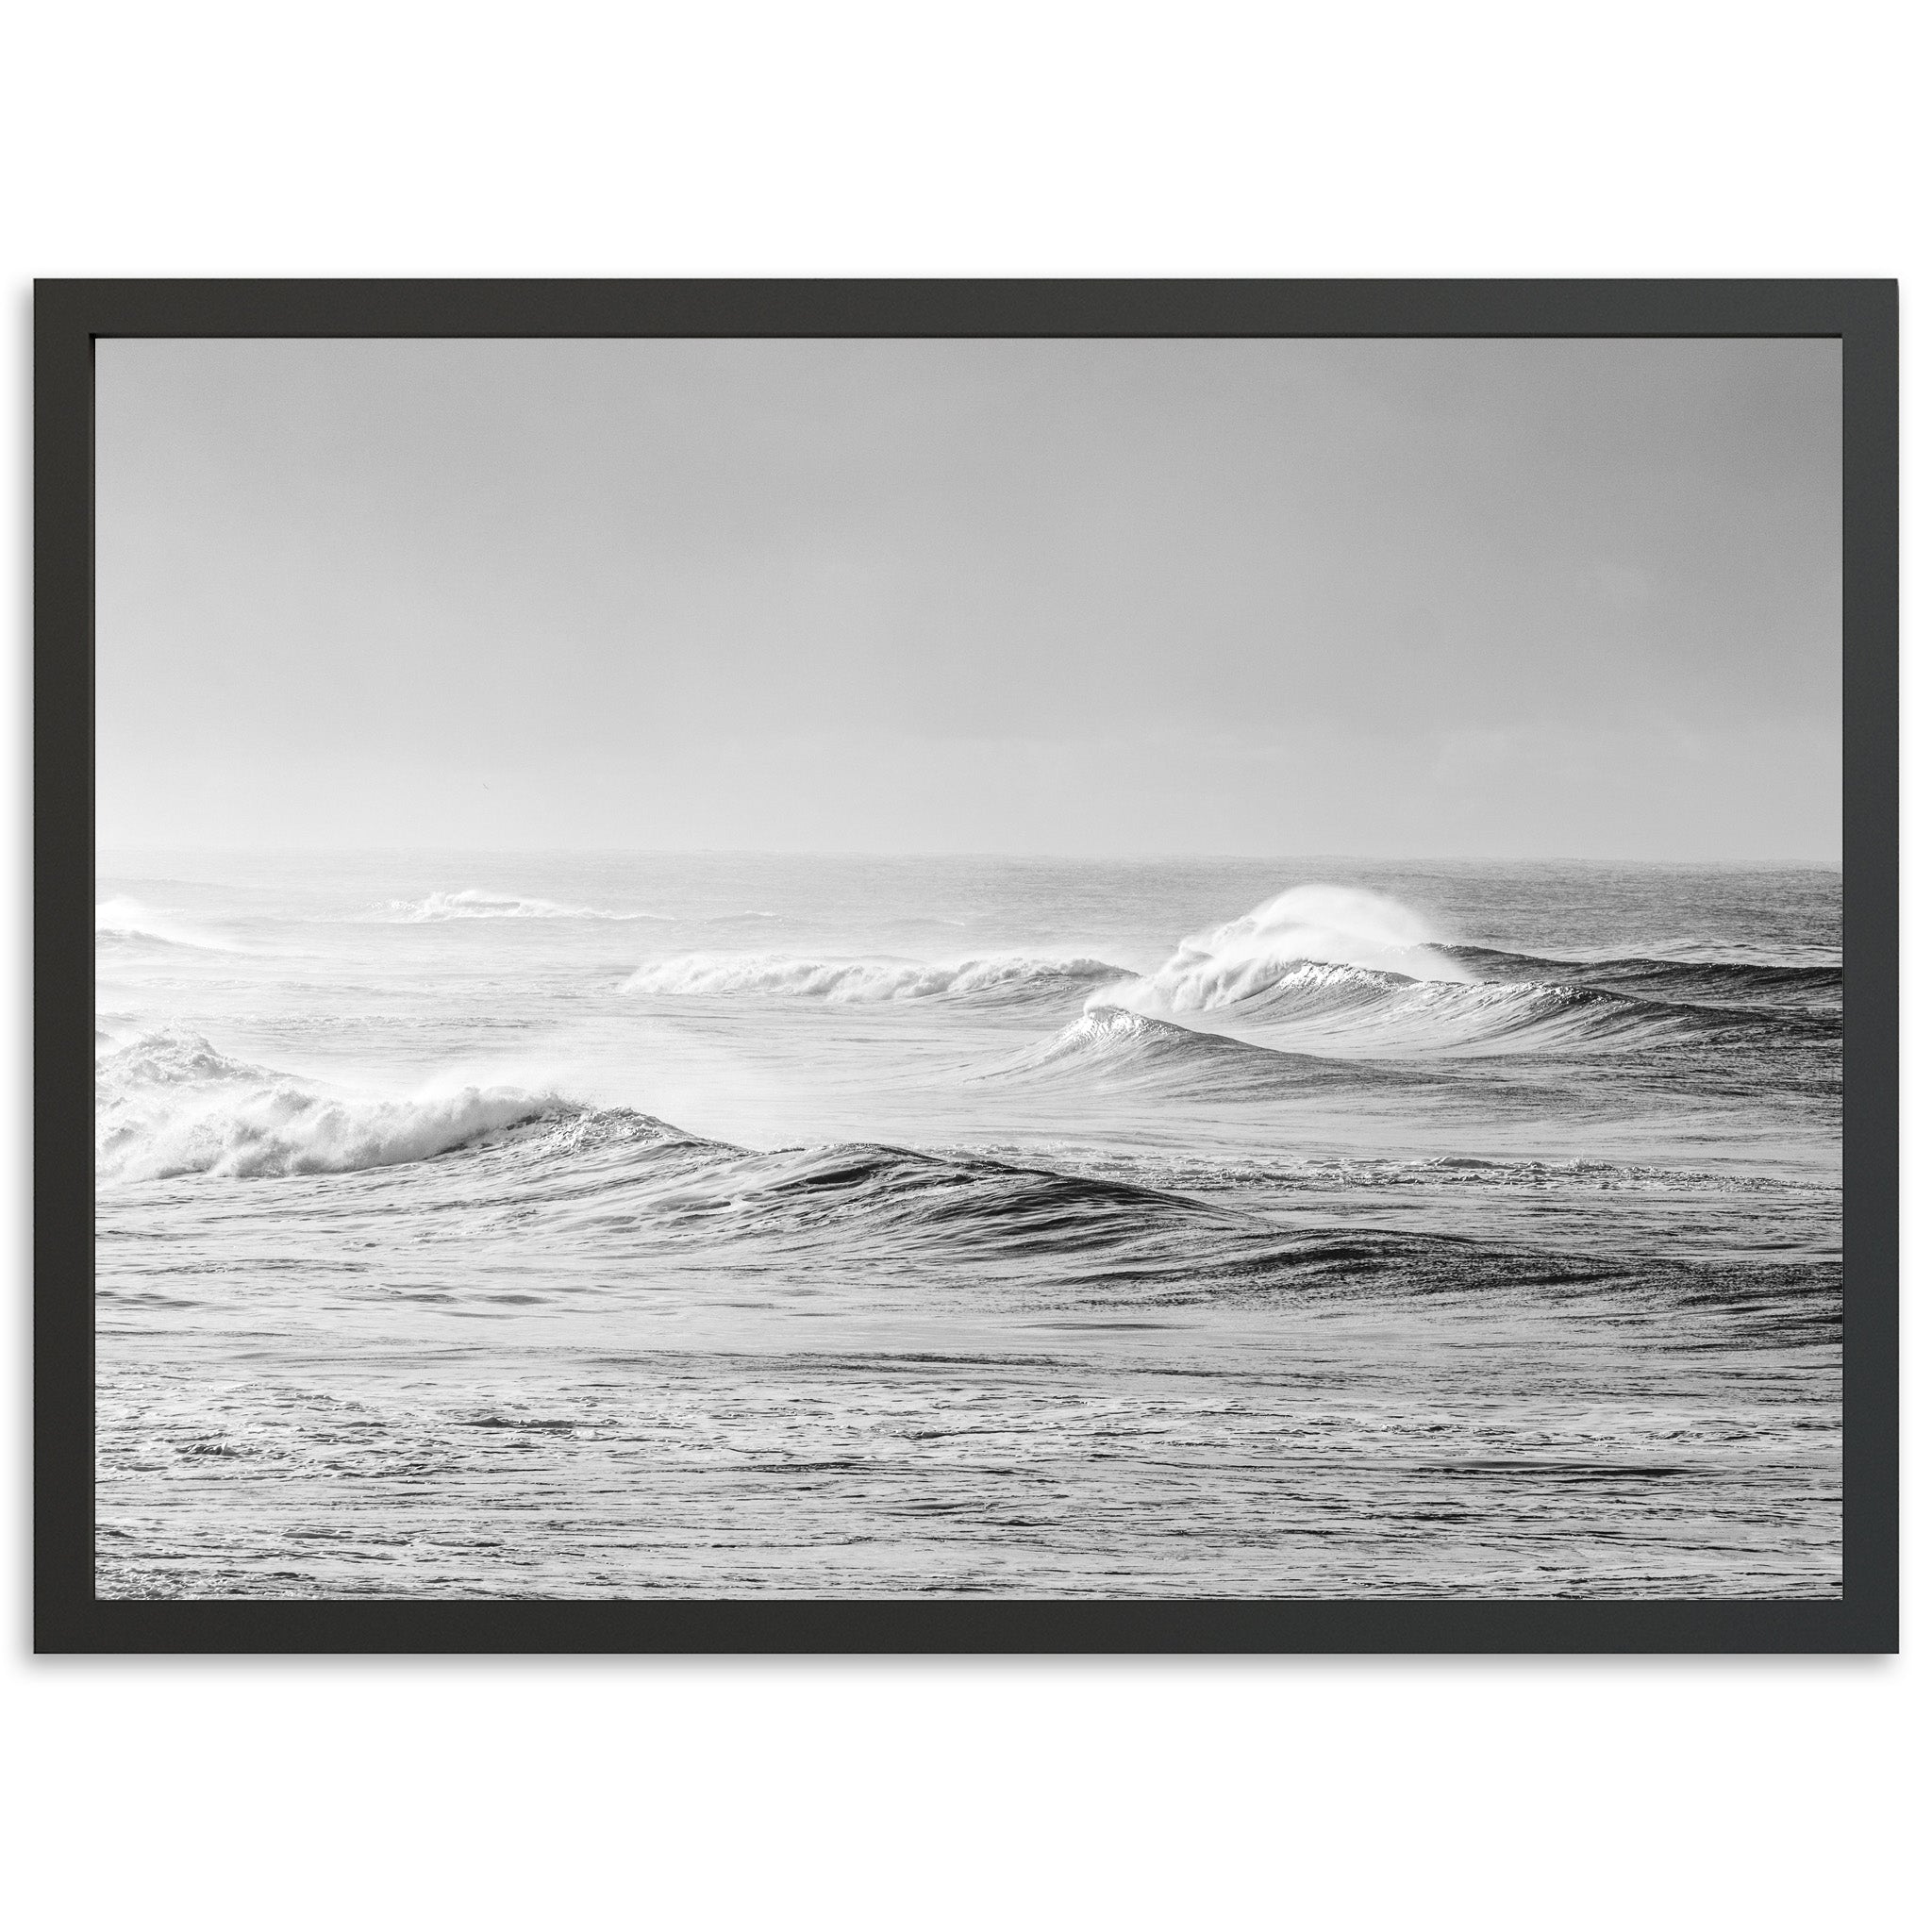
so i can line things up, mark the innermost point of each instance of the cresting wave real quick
(171, 1103)
(471, 904)
(715, 975)
(1111, 1045)
(1349, 972)
(1335, 926)
(1352, 1010)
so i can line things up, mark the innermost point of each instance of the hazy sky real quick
(1497, 598)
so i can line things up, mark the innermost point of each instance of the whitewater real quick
(609, 1224)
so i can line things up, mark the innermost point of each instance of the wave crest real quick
(1314, 924)
(1346, 974)
(713, 976)
(171, 1103)
(1111, 1044)
(1347, 1009)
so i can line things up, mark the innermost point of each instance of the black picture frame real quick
(69, 316)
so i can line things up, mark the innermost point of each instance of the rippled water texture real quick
(603, 1226)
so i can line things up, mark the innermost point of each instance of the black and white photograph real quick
(868, 968)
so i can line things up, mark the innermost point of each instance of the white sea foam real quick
(171, 1103)
(867, 981)
(1321, 926)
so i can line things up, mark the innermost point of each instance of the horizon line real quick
(928, 855)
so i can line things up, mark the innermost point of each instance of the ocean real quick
(602, 1225)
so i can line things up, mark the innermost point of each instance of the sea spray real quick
(1333, 925)
(171, 1103)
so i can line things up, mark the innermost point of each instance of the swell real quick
(1361, 1011)
(1110, 1046)
(1706, 981)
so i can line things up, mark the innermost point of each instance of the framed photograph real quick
(966, 966)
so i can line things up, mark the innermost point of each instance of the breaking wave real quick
(1348, 1010)
(714, 976)
(1346, 972)
(171, 1103)
(1275, 969)
(1335, 926)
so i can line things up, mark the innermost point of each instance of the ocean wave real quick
(126, 925)
(1349, 972)
(882, 1194)
(645, 1198)
(1314, 924)
(1700, 980)
(1111, 1045)
(1079, 1238)
(472, 903)
(1359, 1010)
(714, 976)
(171, 1103)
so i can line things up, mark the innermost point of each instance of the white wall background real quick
(1038, 139)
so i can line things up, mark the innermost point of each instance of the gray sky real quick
(1381, 598)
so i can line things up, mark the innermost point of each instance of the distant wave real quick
(1381, 1012)
(471, 904)
(123, 923)
(171, 1103)
(1350, 1009)
(714, 976)
(1712, 981)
